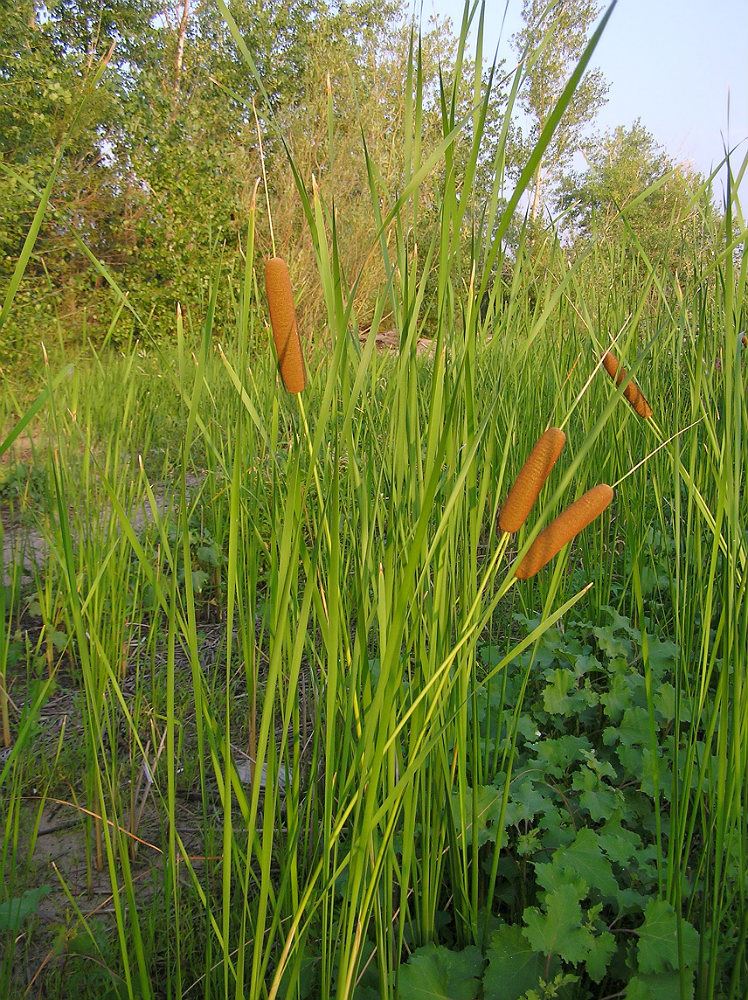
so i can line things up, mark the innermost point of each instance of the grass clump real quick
(324, 742)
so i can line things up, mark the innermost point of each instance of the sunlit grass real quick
(279, 664)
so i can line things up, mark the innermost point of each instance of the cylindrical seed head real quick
(529, 482)
(568, 524)
(632, 392)
(283, 323)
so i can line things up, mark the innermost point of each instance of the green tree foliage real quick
(159, 172)
(190, 153)
(553, 38)
(48, 54)
(632, 193)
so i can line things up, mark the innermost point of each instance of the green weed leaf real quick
(585, 858)
(526, 800)
(658, 939)
(663, 656)
(562, 697)
(665, 703)
(624, 685)
(209, 556)
(556, 694)
(14, 911)
(560, 930)
(665, 986)
(602, 949)
(513, 966)
(552, 876)
(619, 843)
(433, 973)
(597, 796)
(613, 645)
(556, 756)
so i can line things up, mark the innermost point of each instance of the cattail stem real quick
(264, 176)
(283, 322)
(552, 539)
(4, 714)
(531, 478)
(632, 392)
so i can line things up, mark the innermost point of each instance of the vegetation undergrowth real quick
(273, 689)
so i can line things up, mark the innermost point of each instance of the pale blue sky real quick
(668, 62)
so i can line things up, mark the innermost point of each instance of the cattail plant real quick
(283, 322)
(531, 478)
(568, 524)
(632, 392)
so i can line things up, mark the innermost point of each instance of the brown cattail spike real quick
(632, 392)
(283, 322)
(568, 524)
(529, 482)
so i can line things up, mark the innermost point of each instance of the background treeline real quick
(159, 162)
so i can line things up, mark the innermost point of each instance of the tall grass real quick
(277, 668)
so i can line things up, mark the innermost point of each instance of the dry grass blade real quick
(568, 524)
(531, 478)
(283, 322)
(632, 392)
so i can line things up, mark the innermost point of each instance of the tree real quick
(164, 156)
(552, 39)
(191, 148)
(48, 52)
(631, 185)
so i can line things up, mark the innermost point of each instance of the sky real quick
(671, 63)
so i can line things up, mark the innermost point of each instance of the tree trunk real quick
(536, 196)
(179, 57)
